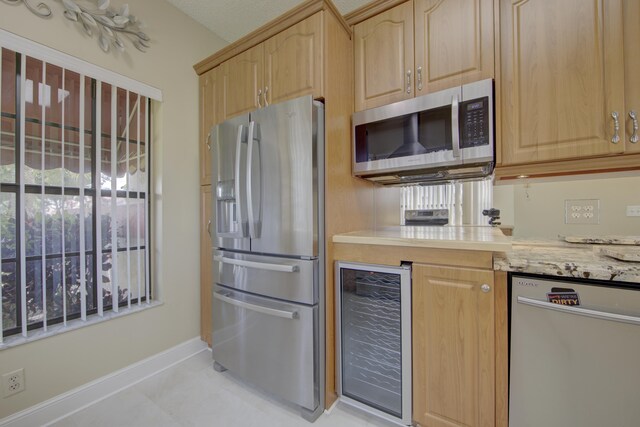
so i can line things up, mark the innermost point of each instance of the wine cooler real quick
(373, 339)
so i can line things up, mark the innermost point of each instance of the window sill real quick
(16, 340)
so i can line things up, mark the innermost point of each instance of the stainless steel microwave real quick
(435, 137)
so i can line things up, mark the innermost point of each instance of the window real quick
(74, 204)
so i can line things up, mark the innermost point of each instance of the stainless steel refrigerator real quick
(268, 290)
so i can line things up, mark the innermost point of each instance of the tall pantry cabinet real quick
(306, 51)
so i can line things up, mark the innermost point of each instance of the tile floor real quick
(193, 394)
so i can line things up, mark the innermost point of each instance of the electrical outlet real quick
(582, 211)
(633, 210)
(13, 382)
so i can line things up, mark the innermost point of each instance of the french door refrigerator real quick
(268, 296)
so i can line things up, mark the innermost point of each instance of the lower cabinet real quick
(453, 346)
(206, 263)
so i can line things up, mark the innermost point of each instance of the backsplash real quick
(465, 201)
(537, 209)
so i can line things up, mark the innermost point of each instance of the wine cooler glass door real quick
(371, 337)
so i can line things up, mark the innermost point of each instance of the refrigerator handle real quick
(254, 222)
(237, 195)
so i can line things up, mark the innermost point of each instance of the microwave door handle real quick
(455, 128)
(237, 187)
(253, 136)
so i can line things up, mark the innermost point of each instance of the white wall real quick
(57, 364)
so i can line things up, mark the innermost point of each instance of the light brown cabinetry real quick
(293, 62)
(459, 332)
(285, 66)
(383, 57)
(454, 43)
(631, 13)
(421, 46)
(562, 78)
(206, 262)
(242, 82)
(453, 346)
(209, 116)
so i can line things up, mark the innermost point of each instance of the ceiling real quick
(232, 19)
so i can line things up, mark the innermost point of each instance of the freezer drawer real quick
(283, 278)
(574, 365)
(269, 343)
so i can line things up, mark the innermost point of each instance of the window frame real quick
(91, 192)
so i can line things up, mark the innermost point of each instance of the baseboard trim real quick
(75, 400)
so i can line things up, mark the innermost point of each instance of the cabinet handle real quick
(209, 228)
(634, 135)
(266, 90)
(209, 141)
(485, 288)
(409, 81)
(259, 95)
(420, 78)
(616, 127)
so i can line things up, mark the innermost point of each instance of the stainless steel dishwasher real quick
(373, 339)
(575, 353)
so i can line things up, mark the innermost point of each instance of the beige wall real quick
(57, 364)
(537, 208)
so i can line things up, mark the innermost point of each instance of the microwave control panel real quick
(474, 123)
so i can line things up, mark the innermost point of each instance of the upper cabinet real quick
(454, 43)
(631, 13)
(422, 46)
(383, 52)
(209, 116)
(562, 79)
(285, 66)
(242, 82)
(293, 62)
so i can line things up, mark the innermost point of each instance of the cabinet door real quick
(209, 95)
(632, 70)
(453, 347)
(562, 78)
(206, 262)
(242, 80)
(383, 54)
(454, 43)
(293, 61)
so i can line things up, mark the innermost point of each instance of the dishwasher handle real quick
(596, 314)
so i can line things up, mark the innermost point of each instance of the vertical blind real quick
(74, 205)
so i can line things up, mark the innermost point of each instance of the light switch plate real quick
(582, 211)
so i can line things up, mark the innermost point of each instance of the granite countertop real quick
(551, 257)
(477, 238)
(561, 259)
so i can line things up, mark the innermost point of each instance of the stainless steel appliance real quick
(373, 339)
(436, 137)
(268, 305)
(574, 353)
